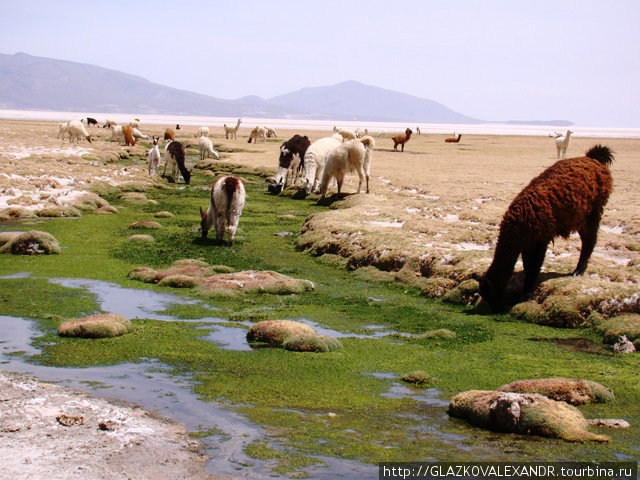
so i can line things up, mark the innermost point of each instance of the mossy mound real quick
(109, 209)
(145, 224)
(440, 333)
(466, 293)
(163, 214)
(311, 343)
(7, 237)
(15, 213)
(100, 325)
(179, 281)
(32, 242)
(611, 328)
(252, 281)
(418, 379)
(575, 392)
(276, 332)
(527, 413)
(143, 274)
(137, 198)
(59, 211)
(141, 239)
(88, 202)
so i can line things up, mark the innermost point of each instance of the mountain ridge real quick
(29, 82)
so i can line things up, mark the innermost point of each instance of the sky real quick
(576, 60)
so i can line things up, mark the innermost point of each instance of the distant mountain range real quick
(39, 83)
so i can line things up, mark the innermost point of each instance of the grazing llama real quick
(401, 139)
(562, 143)
(129, 139)
(231, 132)
(314, 160)
(256, 133)
(175, 154)
(154, 156)
(225, 206)
(567, 197)
(352, 155)
(290, 161)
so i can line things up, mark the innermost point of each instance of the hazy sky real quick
(496, 60)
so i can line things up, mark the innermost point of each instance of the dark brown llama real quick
(567, 197)
(175, 155)
(401, 139)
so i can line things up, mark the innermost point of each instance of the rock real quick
(609, 423)
(100, 325)
(70, 420)
(574, 392)
(624, 345)
(33, 242)
(524, 413)
(275, 332)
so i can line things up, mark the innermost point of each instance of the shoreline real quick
(487, 128)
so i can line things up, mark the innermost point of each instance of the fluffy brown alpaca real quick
(567, 197)
(453, 139)
(127, 131)
(169, 134)
(402, 138)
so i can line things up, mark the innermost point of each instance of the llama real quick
(91, 122)
(401, 139)
(314, 160)
(362, 133)
(258, 132)
(346, 134)
(202, 132)
(206, 148)
(271, 133)
(116, 133)
(454, 139)
(108, 123)
(562, 144)
(230, 131)
(137, 134)
(154, 156)
(225, 206)
(290, 162)
(62, 130)
(349, 156)
(567, 197)
(135, 123)
(76, 131)
(177, 126)
(169, 134)
(175, 154)
(129, 139)
(418, 131)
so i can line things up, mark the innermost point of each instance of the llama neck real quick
(504, 259)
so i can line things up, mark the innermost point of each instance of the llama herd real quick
(567, 197)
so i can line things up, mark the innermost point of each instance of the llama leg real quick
(220, 221)
(532, 259)
(589, 236)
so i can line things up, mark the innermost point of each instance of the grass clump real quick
(418, 378)
(33, 242)
(99, 325)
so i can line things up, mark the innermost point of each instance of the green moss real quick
(293, 405)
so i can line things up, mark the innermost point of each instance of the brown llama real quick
(402, 138)
(169, 134)
(175, 154)
(453, 139)
(567, 197)
(127, 131)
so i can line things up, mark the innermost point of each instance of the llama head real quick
(493, 295)
(88, 137)
(408, 132)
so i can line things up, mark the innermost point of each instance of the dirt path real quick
(52, 432)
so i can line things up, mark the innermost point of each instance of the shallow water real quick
(151, 385)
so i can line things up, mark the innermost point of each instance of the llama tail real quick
(230, 187)
(601, 153)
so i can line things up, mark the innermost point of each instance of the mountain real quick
(39, 83)
(356, 101)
